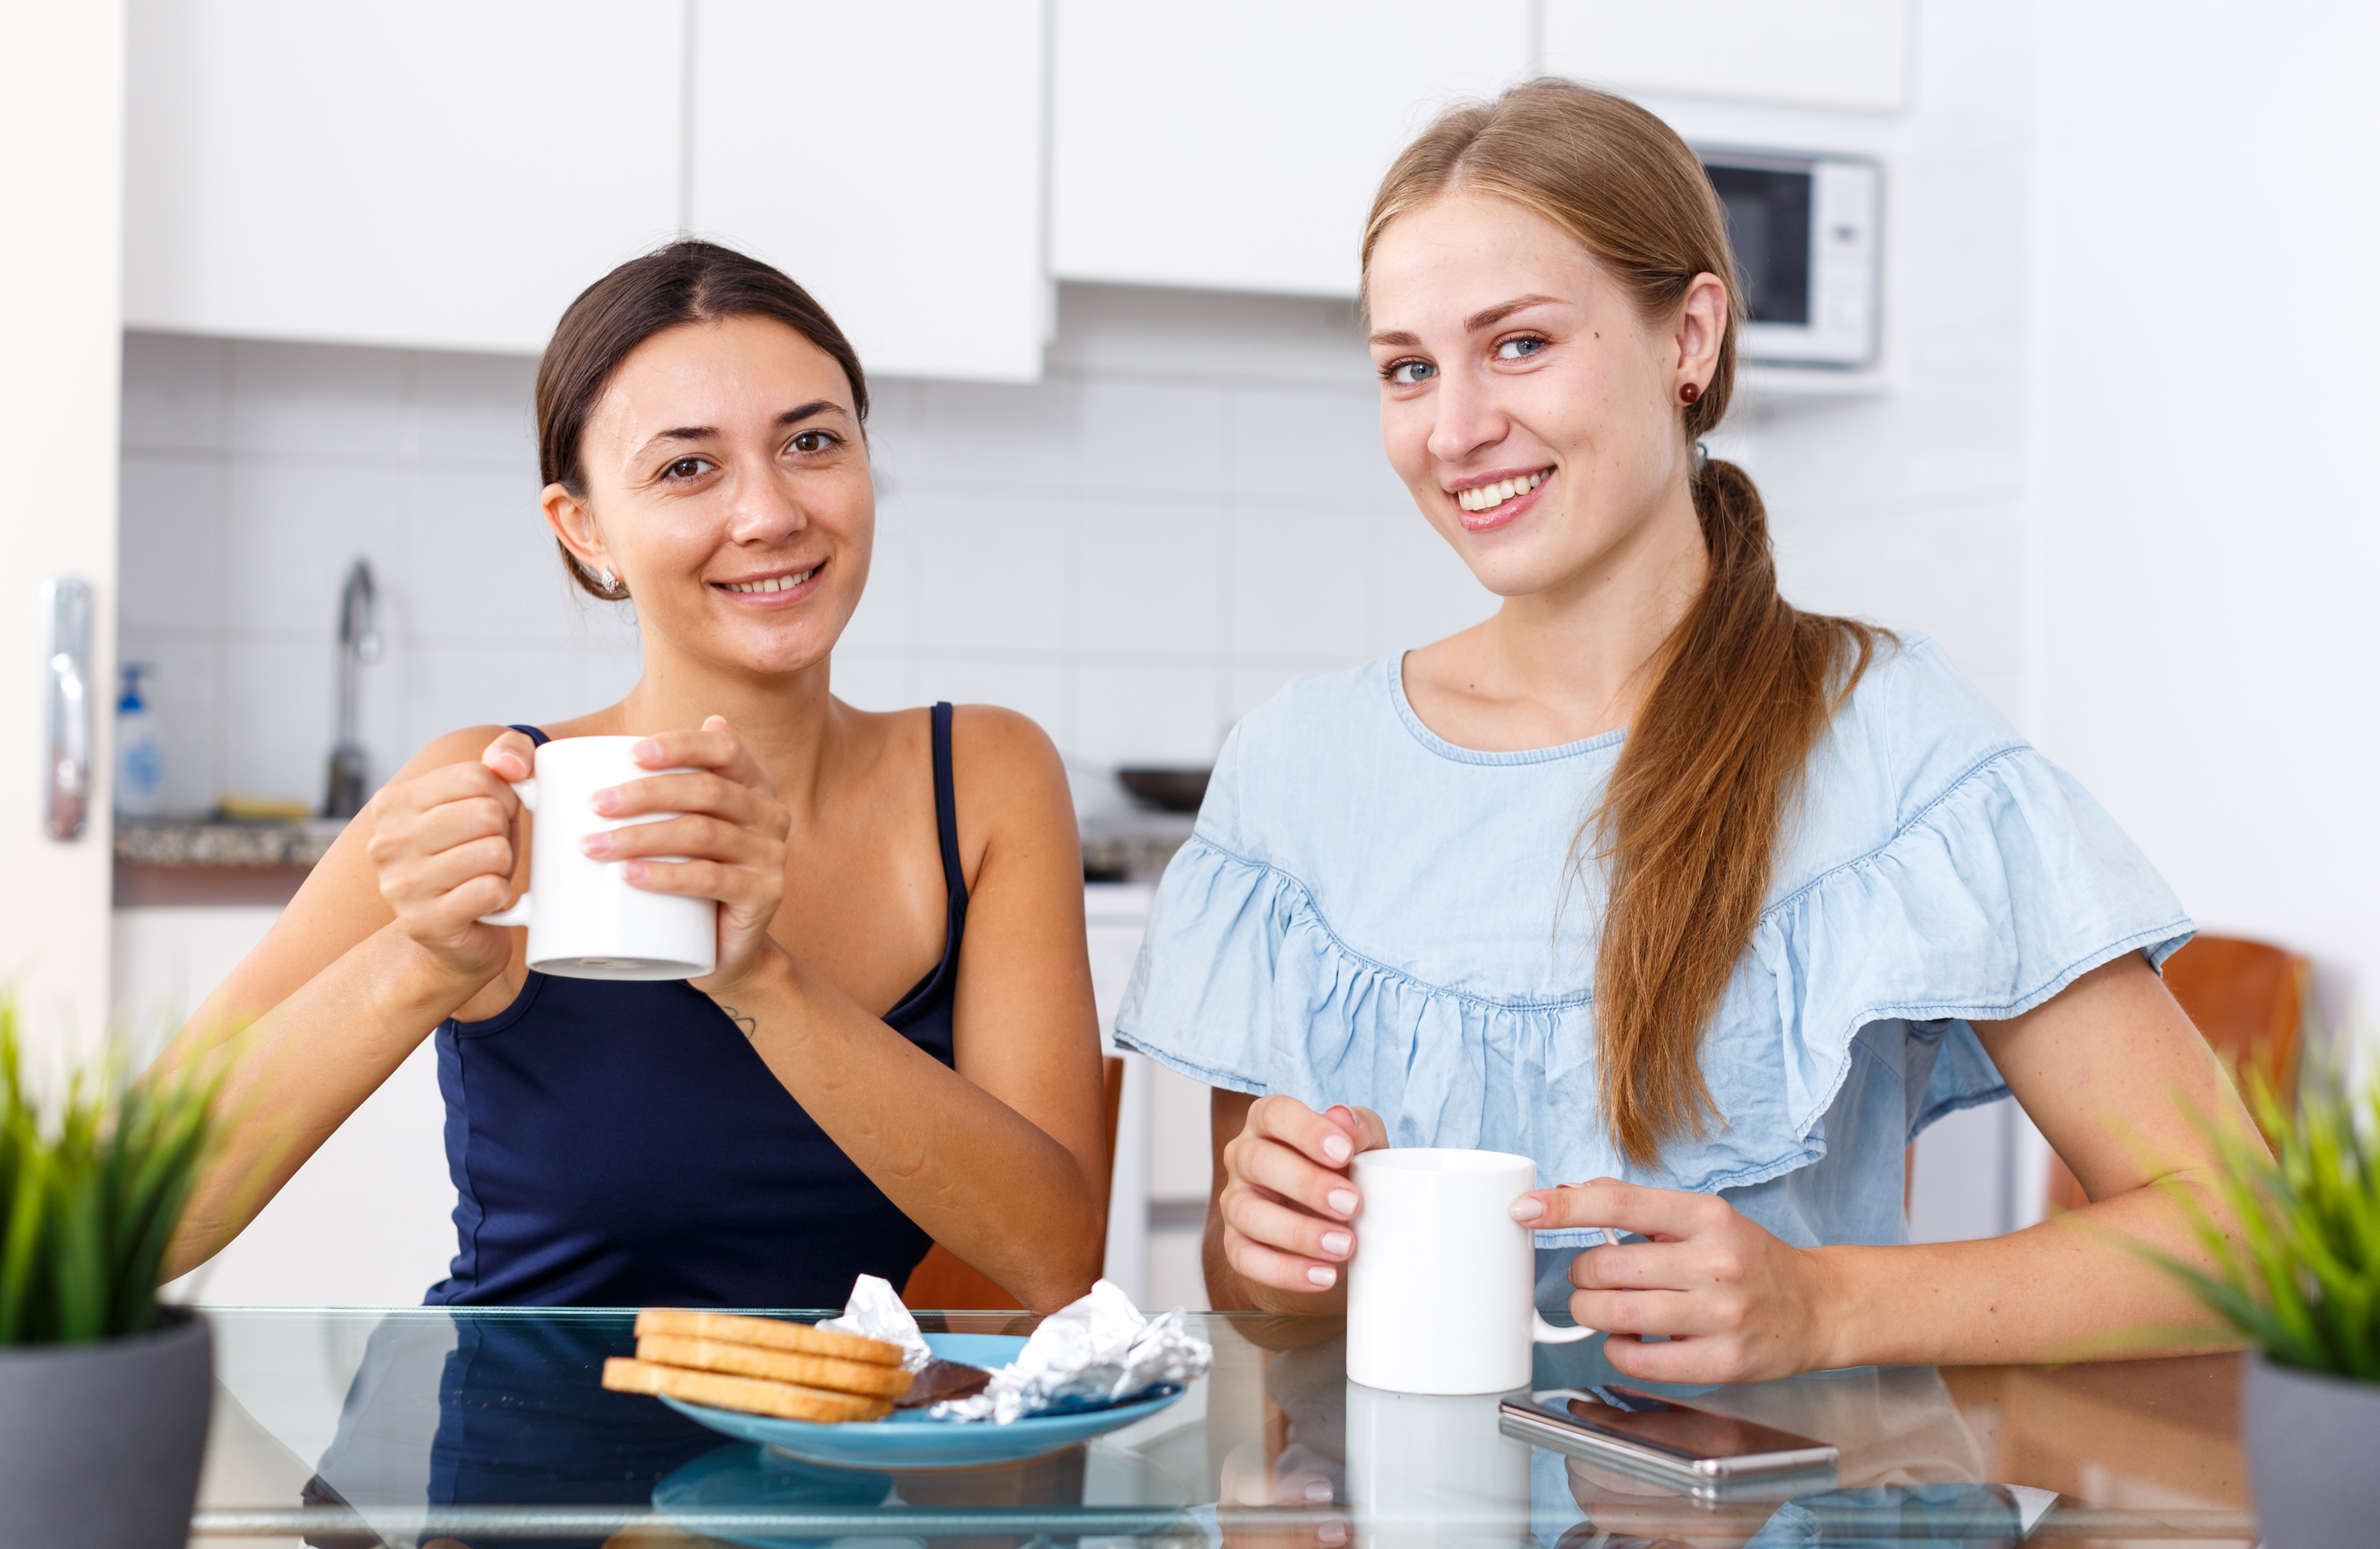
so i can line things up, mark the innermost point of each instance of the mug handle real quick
(1543, 1333)
(518, 913)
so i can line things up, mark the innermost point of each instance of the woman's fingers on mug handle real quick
(513, 756)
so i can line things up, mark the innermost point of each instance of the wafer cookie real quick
(860, 1377)
(751, 1395)
(777, 1334)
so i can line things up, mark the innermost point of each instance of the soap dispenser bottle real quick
(140, 752)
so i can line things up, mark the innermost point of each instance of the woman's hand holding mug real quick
(724, 839)
(1287, 1196)
(1732, 1301)
(443, 845)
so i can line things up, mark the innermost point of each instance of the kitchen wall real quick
(2208, 528)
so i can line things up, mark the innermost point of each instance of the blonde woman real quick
(1653, 877)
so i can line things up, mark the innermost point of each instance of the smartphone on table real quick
(1695, 1451)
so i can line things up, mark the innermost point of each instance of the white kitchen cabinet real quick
(1236, 145)
(1837, 53)
(890, 157)
(440, 175)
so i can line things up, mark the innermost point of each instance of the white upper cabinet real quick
(441, 174)
(891, 156)
(1235, 145)
(1838, 54)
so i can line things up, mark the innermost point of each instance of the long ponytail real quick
(1743, 688)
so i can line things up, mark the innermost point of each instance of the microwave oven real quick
(1807, 242)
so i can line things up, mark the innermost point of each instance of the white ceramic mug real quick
(1441, 1296)
(1434, 1471)
(585, 920)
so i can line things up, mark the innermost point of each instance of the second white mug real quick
(585, 920)
(1441, 1295)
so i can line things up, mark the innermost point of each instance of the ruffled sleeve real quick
(1997, 894)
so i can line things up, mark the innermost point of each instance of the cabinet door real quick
(1845, 53)
(1236, 145)
(889, 156)
(443, 172)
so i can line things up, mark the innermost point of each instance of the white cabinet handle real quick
(65, 611)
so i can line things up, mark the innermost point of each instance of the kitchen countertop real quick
(206, 842)
(201, 860)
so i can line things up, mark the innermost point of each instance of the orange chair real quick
(945, 1281)
(2249, 999)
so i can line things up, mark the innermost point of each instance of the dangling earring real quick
(1690, 392)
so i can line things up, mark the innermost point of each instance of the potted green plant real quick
(104, 1392)
(2300, 1281)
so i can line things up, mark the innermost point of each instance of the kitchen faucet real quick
(358, 647)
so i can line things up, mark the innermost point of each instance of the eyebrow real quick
(1400, 339)
(810, 410)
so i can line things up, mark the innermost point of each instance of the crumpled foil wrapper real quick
(877, 1311)
(1098, 1352)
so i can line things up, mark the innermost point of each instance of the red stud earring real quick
(1689, 392)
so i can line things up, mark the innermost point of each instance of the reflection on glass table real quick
(409, 1426)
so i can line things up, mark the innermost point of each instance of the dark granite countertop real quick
(203, 841)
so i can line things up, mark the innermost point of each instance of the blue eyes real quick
(1410, 372)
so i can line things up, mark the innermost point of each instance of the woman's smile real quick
(1490, 501)
(772, 589)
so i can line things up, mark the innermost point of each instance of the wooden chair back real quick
(944, 1280)
(2249, 1000)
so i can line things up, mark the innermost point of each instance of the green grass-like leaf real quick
(90, 1195)
(2300, 1279)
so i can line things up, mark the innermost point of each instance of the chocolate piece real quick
(942, 1380)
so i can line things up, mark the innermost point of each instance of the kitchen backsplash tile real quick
(311, 401)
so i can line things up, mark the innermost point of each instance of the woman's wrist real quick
(768, 993)
(413, 978)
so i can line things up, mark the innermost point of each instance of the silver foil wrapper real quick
(877, 1311)
(1098, 1352)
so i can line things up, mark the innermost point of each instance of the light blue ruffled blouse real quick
(1369, 915)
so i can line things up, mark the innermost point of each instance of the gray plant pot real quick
(2310, 1443)
(101, 1443)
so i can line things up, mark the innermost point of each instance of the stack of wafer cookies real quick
(760, 1365)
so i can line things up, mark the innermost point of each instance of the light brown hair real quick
(1744, 687)
(688, 280)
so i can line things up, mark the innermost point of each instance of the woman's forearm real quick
(293, 1075)
(2072, 1287)
(982, 1179)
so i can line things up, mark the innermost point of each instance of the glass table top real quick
(354, 1426)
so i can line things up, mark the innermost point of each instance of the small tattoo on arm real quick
(751, 1026)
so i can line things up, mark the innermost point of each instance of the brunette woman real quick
(898, 1045)
(1653, 877)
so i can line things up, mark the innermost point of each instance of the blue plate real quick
(906, 1439)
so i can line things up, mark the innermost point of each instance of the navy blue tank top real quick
(620, 1144)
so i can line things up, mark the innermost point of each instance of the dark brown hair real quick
(1745, 685)
(685, 281)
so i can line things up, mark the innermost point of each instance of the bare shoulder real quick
(1011, 784)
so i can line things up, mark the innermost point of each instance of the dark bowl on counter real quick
(1171, 790)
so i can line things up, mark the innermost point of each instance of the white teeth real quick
(780, 584)
(1486, 497)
